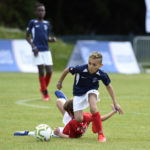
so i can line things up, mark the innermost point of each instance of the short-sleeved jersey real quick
(75, 129)
(84, 81)
(40, 32)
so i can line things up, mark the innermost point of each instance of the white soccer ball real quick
(43, 132)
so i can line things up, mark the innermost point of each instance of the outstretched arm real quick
(51, 39)
(58, 133)
(59, 84)
(105, 117)
(111, 93)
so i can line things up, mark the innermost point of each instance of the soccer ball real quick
(43, 132)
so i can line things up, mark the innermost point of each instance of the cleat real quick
(101, 138)
(60, 94)
(21, 133)
(45, 95)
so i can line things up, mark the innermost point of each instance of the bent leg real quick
(41, 77)
(60, 105)
(97, 123)
(78, 115)
(93, 103)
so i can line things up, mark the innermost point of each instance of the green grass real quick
(10, 33)
(61, 52)
(124, 132)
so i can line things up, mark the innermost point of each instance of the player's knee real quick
(49, 70)
(41, 70)
(58, 103)
(79, 118)
(93, 110)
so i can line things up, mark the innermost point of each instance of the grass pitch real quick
(22, 109)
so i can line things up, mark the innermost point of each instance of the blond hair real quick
(96, 55)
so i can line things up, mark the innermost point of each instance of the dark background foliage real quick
(70, 17)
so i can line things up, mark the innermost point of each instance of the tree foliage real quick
(16, 13)
(79, 16)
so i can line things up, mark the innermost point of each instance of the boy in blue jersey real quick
(85, 91)
(40, 31)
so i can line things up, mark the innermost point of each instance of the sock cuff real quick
(95, 114)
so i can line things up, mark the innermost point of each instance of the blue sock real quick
(21, 133)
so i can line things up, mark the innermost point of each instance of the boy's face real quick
(40, 12)
(94, 65)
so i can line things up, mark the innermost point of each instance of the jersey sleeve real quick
(70, 129)
(76, 69)
(30, 26)
(49, 25)
(105, 79)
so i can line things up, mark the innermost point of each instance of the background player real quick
(85, 90)
(40, 30)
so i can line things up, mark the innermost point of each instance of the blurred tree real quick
(96, 16)
(79, 16)
(16, 13)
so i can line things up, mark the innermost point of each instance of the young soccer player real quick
(85, 91)
(40, 31)
(72, 129)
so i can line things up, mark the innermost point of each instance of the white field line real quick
(24, 103)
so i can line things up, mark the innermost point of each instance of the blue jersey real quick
(84, 81)
(40, 32)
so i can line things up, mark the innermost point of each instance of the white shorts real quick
(66, 118)
(43, 58)
(82, 102)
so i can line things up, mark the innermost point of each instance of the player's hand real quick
(52, 39)
(35, 51)
(113, 108)
(59, 85)
(119, 109)
(56, 131)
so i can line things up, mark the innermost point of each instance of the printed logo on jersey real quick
(71, 68)
(37, 26)
(83, 77)
(94, 80)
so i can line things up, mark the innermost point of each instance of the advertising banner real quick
(147, 19)
(118, 57)
(7, 59)
(16, 56)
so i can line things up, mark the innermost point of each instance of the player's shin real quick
(98, 127)
(97, 123)
(48, 79)
(42, 83)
